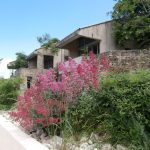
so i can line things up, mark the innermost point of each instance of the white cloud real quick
(4, 72)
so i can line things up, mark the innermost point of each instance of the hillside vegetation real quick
(9, 89)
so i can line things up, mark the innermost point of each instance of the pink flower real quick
(38, 103)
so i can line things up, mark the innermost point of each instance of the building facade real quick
(97, 38)
(38, 61)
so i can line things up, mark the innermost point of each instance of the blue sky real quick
(21, 21)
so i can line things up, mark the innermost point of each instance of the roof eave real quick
(33, 54)
(71, 37)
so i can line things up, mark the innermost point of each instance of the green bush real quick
(120, 109)
(80, 117)
(126, 98)
(9, 89)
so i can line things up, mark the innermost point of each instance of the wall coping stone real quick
(13, 138)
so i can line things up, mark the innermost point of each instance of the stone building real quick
(38, 61)
(97, 38)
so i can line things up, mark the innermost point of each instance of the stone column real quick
(40, 61)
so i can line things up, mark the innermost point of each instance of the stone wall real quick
(129, 59)
(120, 59)
(23, 73)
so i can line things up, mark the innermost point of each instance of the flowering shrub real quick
(44, 103)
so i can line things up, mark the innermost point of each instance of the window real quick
(66, 58)
(29, 80)
(32, 62)
(127, 48)
(48, 62)
(86, 45)
(94, 48)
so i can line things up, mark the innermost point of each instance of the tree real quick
(49, 43)
(20, 62)
(132, 21)
(43, 39)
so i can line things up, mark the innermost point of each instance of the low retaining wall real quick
(126, 59)
(130, 59)
(12, 138)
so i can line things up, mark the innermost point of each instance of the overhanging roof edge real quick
(68, 38)
(31, 55)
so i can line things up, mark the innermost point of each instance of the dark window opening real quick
(94, 48)
(86, 45)
(85, 41)
(66, 58)
(48, 62)
(32, 63)
(127, 48)
(29, 80)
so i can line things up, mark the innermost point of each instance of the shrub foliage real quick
(44, 104)
(120, 109)
(126, 98)
(131, 22)
(85, 100)
(9, 89)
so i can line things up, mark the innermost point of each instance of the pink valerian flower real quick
(53, 120)
(104, 61)
(37, 103)
(39, 120)
(41, 110)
